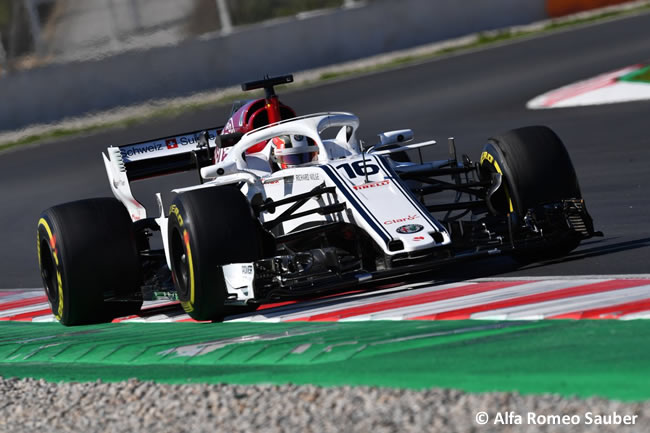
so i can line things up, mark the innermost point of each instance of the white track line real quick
(541, 310)
(296, 311)
(470, 301)
(304, 310)
(27, 309)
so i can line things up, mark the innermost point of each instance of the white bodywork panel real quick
(380, 206)
(239, 279)
(375, 198)
(162, 222)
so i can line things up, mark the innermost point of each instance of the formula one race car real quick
(291, 206)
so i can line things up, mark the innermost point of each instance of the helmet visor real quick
(296, 158)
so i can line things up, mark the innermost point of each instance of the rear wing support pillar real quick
(116, 171)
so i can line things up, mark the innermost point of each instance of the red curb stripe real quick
(580, 88)
(609, 312)
(588, 289)
(122, 319)
(154, 307)
(277, 304)
(407, 301)
(334, 295)
(27, 317)
(22, 303)
(585, 86)
(577, 91)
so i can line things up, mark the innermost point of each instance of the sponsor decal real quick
(191, 139)
(221, 154)
(306, 177)
(409, 228)
(401, 220)
(247, 269)
(169, 144)
(372, 185)
(487, 156)
(229, 128)
(140, 150)
(174, 210)
(418, 238)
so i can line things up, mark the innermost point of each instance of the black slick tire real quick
(87, 253)
(536, 170)
(208, 228)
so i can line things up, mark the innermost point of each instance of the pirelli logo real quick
(372, 185)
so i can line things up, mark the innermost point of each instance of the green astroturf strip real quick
(584, 358)
(641, 75)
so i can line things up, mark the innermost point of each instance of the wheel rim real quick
(180, 265)
(49, 273)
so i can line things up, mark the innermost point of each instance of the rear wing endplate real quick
(163, 156)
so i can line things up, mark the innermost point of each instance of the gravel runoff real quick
(29, 405)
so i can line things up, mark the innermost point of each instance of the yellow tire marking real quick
(492, 161)
(187, 306)
(186, 238)
(42, 222)
(174, 210)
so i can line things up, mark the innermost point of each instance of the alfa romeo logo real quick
(409, 228)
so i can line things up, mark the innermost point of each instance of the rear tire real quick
(87, 253)
(537, 171)
(208, 228)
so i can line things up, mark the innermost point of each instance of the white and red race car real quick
(294, 206)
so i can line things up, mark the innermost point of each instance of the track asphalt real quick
(470, 96)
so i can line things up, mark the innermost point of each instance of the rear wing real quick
(166, 155)
(177, 153)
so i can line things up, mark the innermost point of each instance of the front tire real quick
(208, 228)
(537, 171)
(87, 253)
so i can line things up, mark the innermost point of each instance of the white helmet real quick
(292, 151)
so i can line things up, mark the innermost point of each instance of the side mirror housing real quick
(396, 137)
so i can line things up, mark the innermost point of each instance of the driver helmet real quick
(293, 150)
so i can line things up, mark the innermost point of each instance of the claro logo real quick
(402, 220)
